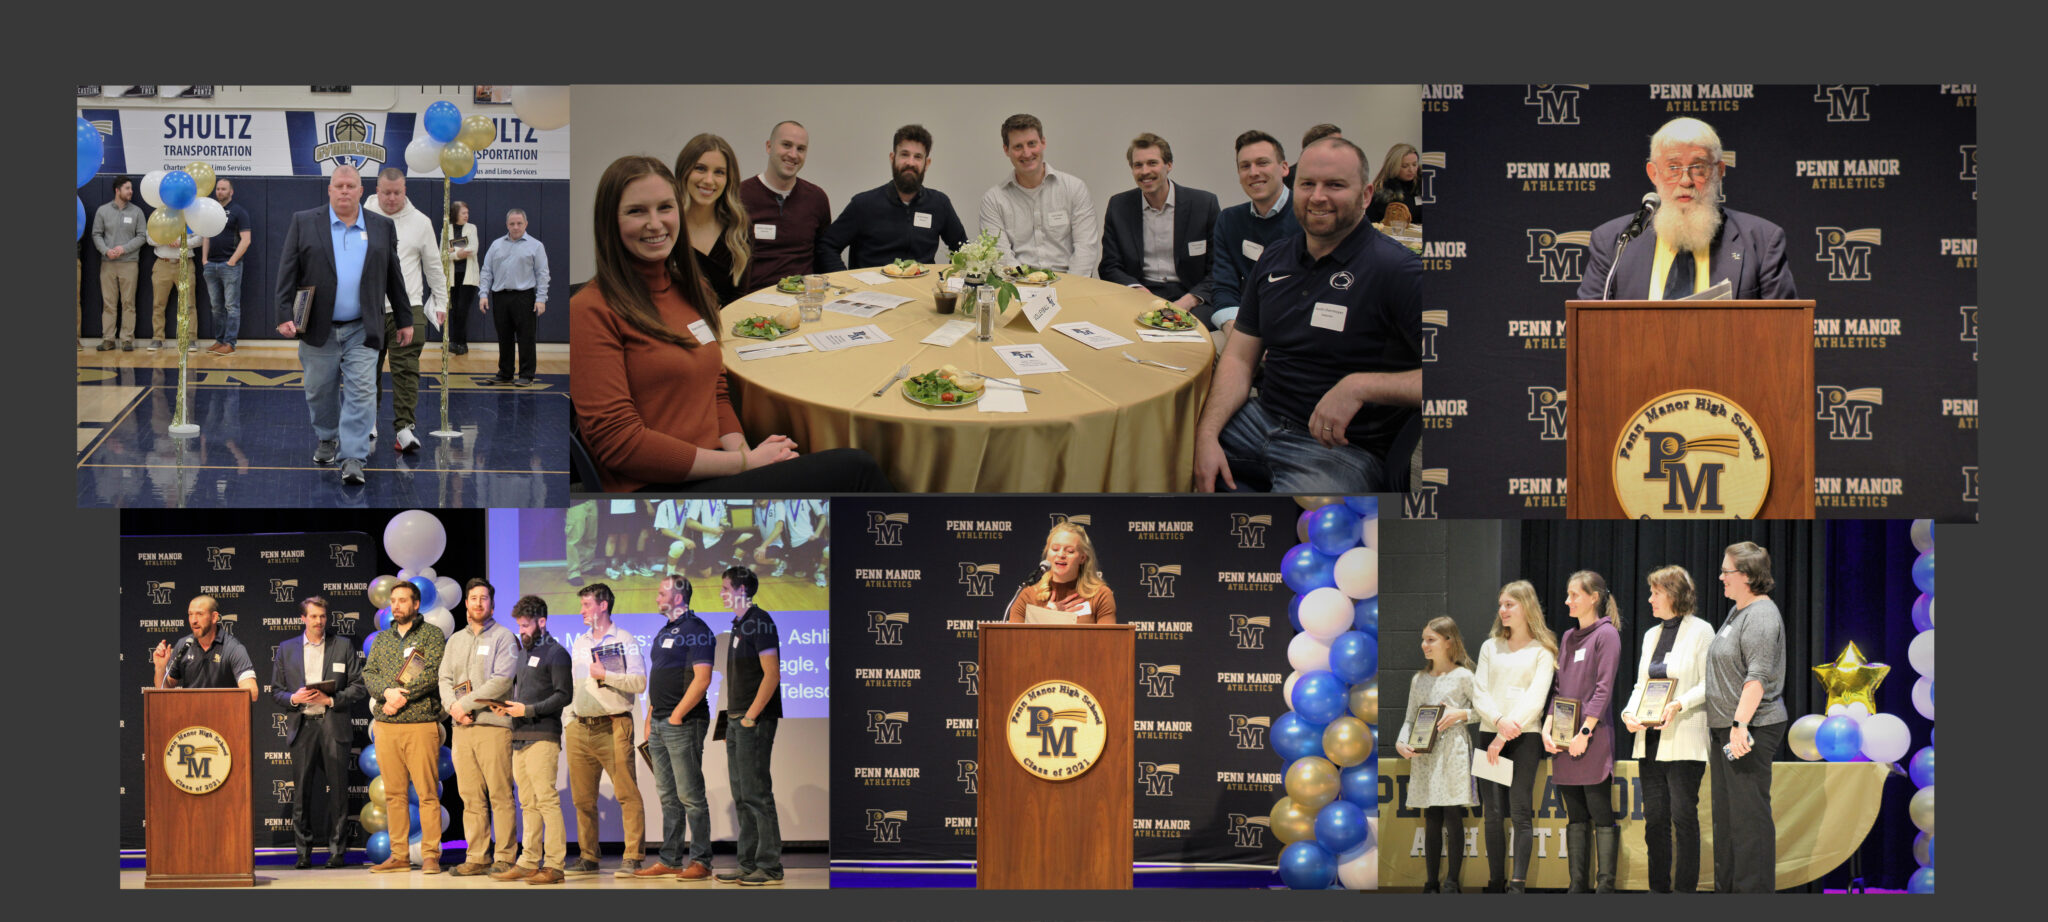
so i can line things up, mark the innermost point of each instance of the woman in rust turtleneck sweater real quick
(646, 376)
(1074, 584)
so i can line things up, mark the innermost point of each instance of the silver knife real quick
(1005, 383)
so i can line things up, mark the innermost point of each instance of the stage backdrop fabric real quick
(1876, 189)
(1201, 583)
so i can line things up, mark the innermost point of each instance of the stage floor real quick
(800, 872)
(255, 444)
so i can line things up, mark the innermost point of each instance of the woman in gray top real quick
(1746, 714)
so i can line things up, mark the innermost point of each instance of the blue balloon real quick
(1334, 529)
(379, 847)
(1360, 784)
(443, 121)
(1320, 697)
(1305, 865)
(81, 235)
(367, 643)
(1303, 569)
(1295, 737)
(1922, 880)
(91, 152)
(1340, 826)
(1365, 615)
(412, 791)
(1923, 613)
(1923, 573)
(1367, 507)
(447, 765)
(1354, 657)
(412, 832)
(426, 588)
(1294, 613)
(1930, 851)
(368, 761)
(464, 179)
(1839, 739)
(177, 190)
(1921, 768)
(384, 618)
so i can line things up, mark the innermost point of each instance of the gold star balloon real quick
(1851, 679)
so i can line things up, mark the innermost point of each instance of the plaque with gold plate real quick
(1656, 696)
(1564, 720)
(1422, 737)
(415, 666)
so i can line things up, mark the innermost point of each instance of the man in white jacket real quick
(419, 257)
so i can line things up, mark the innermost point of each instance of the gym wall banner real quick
(273, 142)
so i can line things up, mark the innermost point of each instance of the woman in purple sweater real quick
(1586, 665)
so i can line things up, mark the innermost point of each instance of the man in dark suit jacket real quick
(1183, 276)
(317, 726)
(1743, 249)
(344, 327)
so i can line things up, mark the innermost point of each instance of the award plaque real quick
(326, 688)
(415, 666)
(1422, 738)
(1656, 696)
(462, 688)
(491, 702)
(612, 655)
(1564, 720)
(302, 303)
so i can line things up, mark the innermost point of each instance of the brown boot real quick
(546, 876)
(430, 865)
(514, 873)
(467, 869)
(696, 873)
(393, 864)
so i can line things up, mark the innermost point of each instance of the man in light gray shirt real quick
(515, 285)
(118, 232)
(1043, 218)
(478, 665)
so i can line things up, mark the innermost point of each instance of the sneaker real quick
(525, 381)
(515, 873)
(458, 349)
(611, 573)
(466, 869)
(156, 345)
(406, 441)
(495, 382)
(221, 349)
(781, 567)
(819, 580)
(329, 449)
(630, 867)
(391, 865)
(546, 876)
(373, 433)
(106, 345)
(500, 867)
(352, 473)
(760, 879)
(583, 866)
(697, 873)
(729, 877)
(192, 346)
(648, 869)
(127, 345)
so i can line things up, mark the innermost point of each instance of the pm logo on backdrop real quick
(1555, 103)
(1249, 831)
(968, 773)
(1546, 406)
(979, 578)
(1562, 255)
(283, 590)
(1847, 252)
(1844, 103)
(160, 592)
(888, 627)
(1158, 579)
(887, 527)
(1157, 679)
(1847, 410)
(222, 558)
(1157, 777)
(887, 825)
(1250, 630)
(970, 676)
(1250, 530)
(1250, 731)
(343, 555)
(887, 726)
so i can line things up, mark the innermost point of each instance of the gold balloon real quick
(1800, 738)
(478, 131)
(376, 790)
(1316, 502)
(1851, 679)
(373, 818)
(457, 159)
(1292, 822)
(1312, 782)
(1921, 809)
(1345, 740)
(202, 176)
(1365, 701)
(380, 590)
(166, 226)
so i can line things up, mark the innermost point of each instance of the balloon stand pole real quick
(181, 424)
(447, 430)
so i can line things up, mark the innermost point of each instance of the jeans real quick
(1294, 460)
(677, 751)
(341, 388)
(224, 292)
(747, 753)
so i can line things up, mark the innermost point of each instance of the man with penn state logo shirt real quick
(678, 678)
(317, 726)
(1336, 310)
(207, 658)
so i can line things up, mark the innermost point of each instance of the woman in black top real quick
(1396, 183)
(713, 216)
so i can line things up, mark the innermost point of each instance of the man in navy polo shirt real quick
(1336, 309)
(678, 677)
(753, 709)
(901, 219)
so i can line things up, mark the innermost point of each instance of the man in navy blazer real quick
(1743, 249)
(347, 255)
(317, 728)
(1176, 269)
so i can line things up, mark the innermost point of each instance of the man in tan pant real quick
(540, 690)
(118, 232)
(598, 726)
(163, 285)
(406, 725)
(479, 664)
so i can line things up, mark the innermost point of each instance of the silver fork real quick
(1151, 362)
(901, 373)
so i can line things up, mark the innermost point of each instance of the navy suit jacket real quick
(309, 260)
(288, 675)
(1123, 238)
(1748, 251)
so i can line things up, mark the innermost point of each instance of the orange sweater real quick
(646, 407)
(1101, 604)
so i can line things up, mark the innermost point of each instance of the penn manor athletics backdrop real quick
(1876, 188)
(1201, 582)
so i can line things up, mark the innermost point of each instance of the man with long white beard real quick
(1693, 243)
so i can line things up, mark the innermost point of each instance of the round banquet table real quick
(1104, 425)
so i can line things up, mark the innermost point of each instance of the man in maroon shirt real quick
(787, 213)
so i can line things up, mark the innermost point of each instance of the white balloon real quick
(1359, 868)
(1885, 738)
(1921, 653)
(1931, 602)
(152, 191)
(1372, 532)
(1326, 612)
(415, 538)
(1857, 711)
(423, 155)
(542, 108)
(440, 618)
(1834, 710)
(1287, 689)
(449, 593)
(1923, 534)
(405, 574)
(1358, 573)
(1923, 697)
(1308, 653)
(429, 573)
(205, 216)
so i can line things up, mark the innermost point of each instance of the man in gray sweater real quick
(119, 230)
(478, 664)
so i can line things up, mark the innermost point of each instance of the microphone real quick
(1044, 567)
(1635, 226)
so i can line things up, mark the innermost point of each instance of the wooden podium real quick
(1069, 834)
(1621, 355)
(206, 839)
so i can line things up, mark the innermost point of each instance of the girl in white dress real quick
(1440, 780)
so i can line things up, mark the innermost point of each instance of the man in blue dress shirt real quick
(515, 281)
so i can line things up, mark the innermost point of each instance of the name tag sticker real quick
(764, 232)
(1579, 656)
(702, 331)
(921, 219)
(1252, 251)
(408, 652)
(483, 650)
(532, 661)
(1328, 316)
(340, 667)
(1197, 247)
(668, 642)
(127, 219)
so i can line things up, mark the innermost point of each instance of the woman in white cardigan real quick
(1508, 690)
(1671, 745)
(462, 283)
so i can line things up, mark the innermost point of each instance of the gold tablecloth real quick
(1823, 812)
(1104, 425)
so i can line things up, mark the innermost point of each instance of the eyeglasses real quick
(1699, 171)
(1727, 572)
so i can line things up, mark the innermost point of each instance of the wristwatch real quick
(1585, 731)
(747, 722)
(1736, 724)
